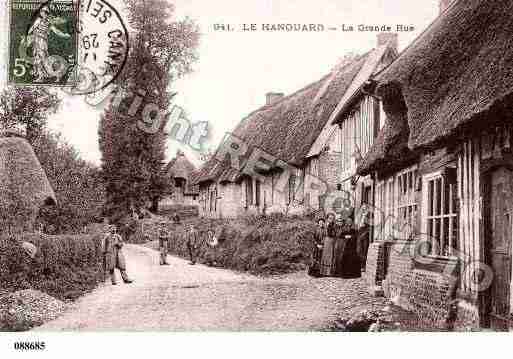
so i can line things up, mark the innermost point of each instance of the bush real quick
(64, 267)
(260, 245)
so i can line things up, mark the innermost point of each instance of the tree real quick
(27, 107)
(132, 159)
(77, 184)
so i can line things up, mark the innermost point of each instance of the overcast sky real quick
(237, 68)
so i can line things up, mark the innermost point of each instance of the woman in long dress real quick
(319, 235)
(328, 250)
(348, 262)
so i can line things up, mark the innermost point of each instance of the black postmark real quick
(103, 47)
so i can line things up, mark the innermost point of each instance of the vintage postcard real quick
(273, 166)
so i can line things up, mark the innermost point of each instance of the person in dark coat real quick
(348, 263)
(319, 235)
(113, 257)
(193, 244)
(176, 218)
(328, 250)
(163, 235)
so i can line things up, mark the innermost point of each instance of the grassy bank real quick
(260, 245)
(65, 266)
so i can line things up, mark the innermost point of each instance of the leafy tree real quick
(163, 49)
(77, 184)
(28, 108)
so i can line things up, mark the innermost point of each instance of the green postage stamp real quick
(42, 42)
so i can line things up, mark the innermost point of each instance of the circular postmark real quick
(103, 45)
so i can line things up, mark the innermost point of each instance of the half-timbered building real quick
(443, 166)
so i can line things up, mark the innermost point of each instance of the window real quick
(407, 202)
(292, 189)
(257, 193)
(215, 199)
(249, 192)
(382, 116)
(272, 190)
(441, 222)
(396, 199)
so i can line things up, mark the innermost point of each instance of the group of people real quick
(339, 249)
(195, 243)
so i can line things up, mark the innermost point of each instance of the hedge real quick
(64, 266)
(259, 245)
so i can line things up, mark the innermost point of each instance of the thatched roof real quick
(372, 66)
(458, 72)
(288, 128)
(390, 149)
(180, 167)
(24, 187)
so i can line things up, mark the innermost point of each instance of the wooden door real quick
(501, 213)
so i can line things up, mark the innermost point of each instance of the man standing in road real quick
(164, 235)
(192, 243)
(113, 256)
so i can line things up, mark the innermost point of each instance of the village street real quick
(184, 297)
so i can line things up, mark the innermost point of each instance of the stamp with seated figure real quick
(43, 42)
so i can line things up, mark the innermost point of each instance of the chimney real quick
(444, 4)
(391, 38)
(273, 97)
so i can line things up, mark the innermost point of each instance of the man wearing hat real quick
(113, 256)
(193, 243)
(164, 235)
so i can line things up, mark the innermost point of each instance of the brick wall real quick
(422, 286)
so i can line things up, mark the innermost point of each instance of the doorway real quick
(500, 225)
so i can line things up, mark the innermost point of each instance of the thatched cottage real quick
(443, 165)
(24, 187)
(181, 191)
(295, 135)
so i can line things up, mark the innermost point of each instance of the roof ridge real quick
(287, 97)
(426, 30)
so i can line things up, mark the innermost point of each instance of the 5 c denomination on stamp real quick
(43, 42)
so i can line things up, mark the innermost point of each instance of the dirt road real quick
(195, 298)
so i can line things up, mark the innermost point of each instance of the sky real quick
(237, 68)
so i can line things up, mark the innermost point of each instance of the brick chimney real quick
(388, 37)
(444, 4)
(273, 97)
